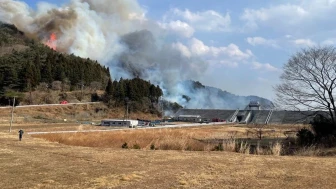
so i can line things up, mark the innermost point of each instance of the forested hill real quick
(25, 63)
(50, 77)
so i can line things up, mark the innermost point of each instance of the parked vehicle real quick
(64, 102)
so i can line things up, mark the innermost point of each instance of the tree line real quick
(24, 71)
(136, 91)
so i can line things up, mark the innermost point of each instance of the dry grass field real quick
(72, 113)
(38, 163)
(195, 138)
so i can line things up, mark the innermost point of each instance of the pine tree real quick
(10, 77)
(30, 78)
(47, 73)
(109, 88)
(38, 67)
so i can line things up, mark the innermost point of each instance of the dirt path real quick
(35, 163)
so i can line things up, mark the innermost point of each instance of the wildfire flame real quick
(52, 42)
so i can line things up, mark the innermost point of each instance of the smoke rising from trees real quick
(117, 34)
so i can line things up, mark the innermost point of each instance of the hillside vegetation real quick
(44, 76)
(30, 63)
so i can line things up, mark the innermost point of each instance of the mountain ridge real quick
(216, 98)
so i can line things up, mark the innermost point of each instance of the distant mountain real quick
(206, 97)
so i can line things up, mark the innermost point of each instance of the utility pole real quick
(10, 127)
(162, 111)
(82, 86)
(126, 111)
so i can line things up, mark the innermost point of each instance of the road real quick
(138, 128)
(45, 105)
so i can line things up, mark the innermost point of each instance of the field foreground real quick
(36, 163)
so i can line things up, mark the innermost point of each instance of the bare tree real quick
(258, 130)
(308, 81)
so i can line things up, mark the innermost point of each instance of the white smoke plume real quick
(117, 34)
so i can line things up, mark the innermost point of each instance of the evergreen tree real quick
(47, 73)
(38, 67)
(109, 88)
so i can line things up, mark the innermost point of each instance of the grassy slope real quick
(35, 163)
(73, 113)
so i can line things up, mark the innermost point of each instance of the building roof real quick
(118, 120)
(189, 116)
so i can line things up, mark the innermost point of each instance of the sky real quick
(246, 43)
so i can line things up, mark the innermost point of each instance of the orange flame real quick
(52, 42)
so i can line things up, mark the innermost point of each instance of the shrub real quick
(305, 137)
(188, 148)
(125, 146)
(152, 147)
(219, 147)
(323, 133)
(136, 146)
(308, 151)
(323, 127)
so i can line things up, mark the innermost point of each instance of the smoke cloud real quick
(117, 34)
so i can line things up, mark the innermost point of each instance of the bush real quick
(323, 127)
(308, 151)
(152, 147)
(136, 146)
(219, 147)
(323, 133)
(125, 146)
(305, 137)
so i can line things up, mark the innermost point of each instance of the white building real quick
(253, 105)
(189, 118)
(119, 123)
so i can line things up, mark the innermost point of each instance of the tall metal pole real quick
(162, 111)
(10, 127)
(126, 111)
(82, 86)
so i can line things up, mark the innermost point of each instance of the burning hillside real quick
(117, 34)
(52, 42)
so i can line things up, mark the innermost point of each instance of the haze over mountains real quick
(207, 97)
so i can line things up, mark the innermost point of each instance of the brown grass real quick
(36, 163)
(163, 139)
(308, 151)
(276, 149)
(193, 139)
(72, 113)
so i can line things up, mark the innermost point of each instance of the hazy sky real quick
(246, 42)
